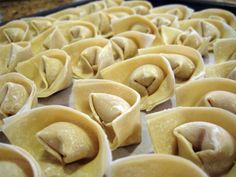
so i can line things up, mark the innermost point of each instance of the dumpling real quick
(113, 106)
(159, 165)
(224, 50)
(181, 11)
(66, 14)
(140, 7)
(218, 14)
(225, 70)
(16, 162)
(150, 75)
(125, 45)
(206, 136)
(91, 8)
(12, 54)
(89, 56)
(210, 92)
(50, 70)
(186, 63)
(14, 31)
(113, 3)
(18, 94)
(189, 37)
(137, 23)
(119, 12)
(62, 140)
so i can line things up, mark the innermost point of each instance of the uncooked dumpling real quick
(66, 14)
(140, 7)
(119, 12)
(113, 3)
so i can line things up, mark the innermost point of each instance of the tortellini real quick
(218, 14)
(14, 161)
(89, 57)
(66, 14)
(206, 136)
(62, 140)
(225, 50)
(210, 92)
(158, 164)
(119, 12)
(113, 3)
(14, 31)
(112, 105)
(18, 94)
(12, 54)
(180, 11)
(150, 75)
(186, 63)
(140, 7)
(125, 45)
(50, 70)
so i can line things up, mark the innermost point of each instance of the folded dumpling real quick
(155, 165)
(150, 75)
(225, 50)
(89, 56)
(18, 94)
(14, 31)
(12, 54)
(113, 3)
(189, 37)
(206, 136)
(186, 63)
(140, 7)
(91, 8)
(113, 106)
(136, 23)
(179, 10)
(16, 162)
(210, 92)
(218, 14)
(64, 142)
(66, 14)
(50, 70)
(125, 45)
(225, 70)
(119, 12)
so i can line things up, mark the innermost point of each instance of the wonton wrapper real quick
(225, 70)
(16, 162)
(91, 8)
(89, 56)
(12, 54)
(192, 67)
(22, 132)
(156, 88)
(155, 165)
(202, 89)
(113, 3)
(125, 45)
(119, 12)
(66, 14)
(189, 37)
(85, 98)
(180, 11)
(38, 25)
(14, 31)
(136, 23)
(218, 14)
(162, 126)
(18, 94)
(140, 7)
(50, 70)
(225, 50)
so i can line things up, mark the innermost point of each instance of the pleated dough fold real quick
(159, 165)
(137, 23)
(89, 56)
(186, 63)
(206, 136)
(119, 12)
(218, 14)
(224, 50)
(180, 11)
(14, 31)
(57, 130)
(210, 92)
(125, 45)
(18, 94)
(113, 106)
(140, 7)
(113, 3)
(66, 14)
(50, 70)
(150, 75)
(15, 161)
(12, 54)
